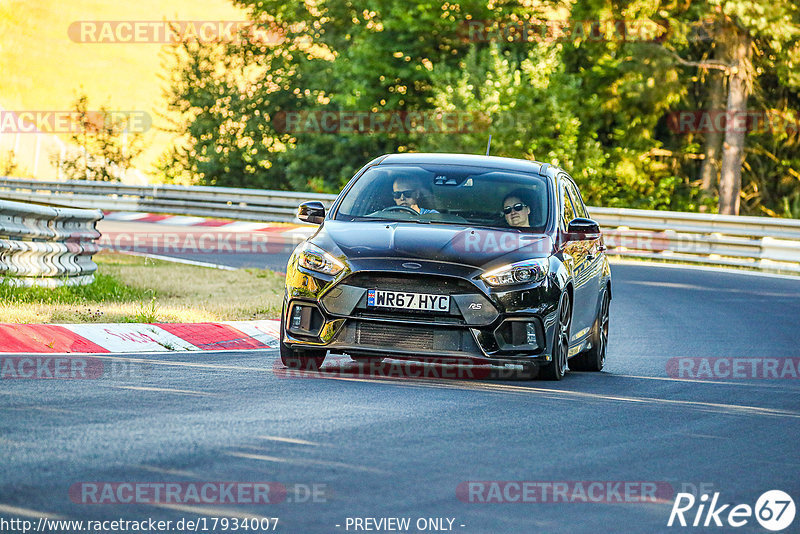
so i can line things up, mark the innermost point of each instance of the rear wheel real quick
(595, 358)
(557, 367)
(299, 359)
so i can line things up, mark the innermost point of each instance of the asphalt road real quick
(382, 447)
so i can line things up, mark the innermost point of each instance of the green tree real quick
(333, 56)
(771, 30)
(598, 107)
(511, 97)
(106, 146)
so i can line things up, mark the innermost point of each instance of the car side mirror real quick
(311, 212)
(580, 229)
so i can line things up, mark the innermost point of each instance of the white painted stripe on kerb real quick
(266, 331)
(244, 226)
(125, 216)
(128, 337)
(182, 220)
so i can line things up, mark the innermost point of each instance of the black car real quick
(448, 256)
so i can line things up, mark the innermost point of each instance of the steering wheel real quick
(401, 208)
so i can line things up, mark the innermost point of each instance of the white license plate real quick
(378, 298)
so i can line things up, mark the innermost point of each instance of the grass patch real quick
(135, 289)
(104, 288)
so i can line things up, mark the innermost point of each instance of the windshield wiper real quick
(362, 218)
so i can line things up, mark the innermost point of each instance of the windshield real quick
(448, 194)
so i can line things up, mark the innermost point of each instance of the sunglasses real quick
(519, 206)
(408, 193)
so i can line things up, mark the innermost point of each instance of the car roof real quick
(510, 164)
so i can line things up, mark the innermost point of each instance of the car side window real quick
(580, 208)
(567, 210)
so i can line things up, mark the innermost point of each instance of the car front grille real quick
(400, 336)
(421, 339)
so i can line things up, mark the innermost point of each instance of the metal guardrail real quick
(226, 202)
(46, 246)
(762, 243)
(765, 244)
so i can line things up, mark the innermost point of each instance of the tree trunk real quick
(709, 170)
(730, 180)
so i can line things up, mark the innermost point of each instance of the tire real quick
(595, 358)
(557, 368)
(307, 360)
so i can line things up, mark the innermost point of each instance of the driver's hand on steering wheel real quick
(401, 207)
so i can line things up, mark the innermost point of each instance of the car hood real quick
(467, 245)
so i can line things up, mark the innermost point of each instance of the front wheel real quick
(308, 360)
(305, 361)
(595, 358)
(557, 368)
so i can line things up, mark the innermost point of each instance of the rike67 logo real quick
(774, 510)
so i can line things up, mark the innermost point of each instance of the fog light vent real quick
(519, 335)
(305, 319)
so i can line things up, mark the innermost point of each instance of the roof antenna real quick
(489, 144)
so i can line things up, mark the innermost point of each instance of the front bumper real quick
(483, 324)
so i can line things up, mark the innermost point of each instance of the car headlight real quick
(522, 272)
(315, 259)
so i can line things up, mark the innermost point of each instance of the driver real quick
(516, 209)
(406, 192)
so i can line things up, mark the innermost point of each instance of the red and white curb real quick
(183, 220)
(137, 337)
(291, 232)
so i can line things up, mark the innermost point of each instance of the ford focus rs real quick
(443, 256)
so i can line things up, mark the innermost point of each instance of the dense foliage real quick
(599, 99)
